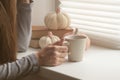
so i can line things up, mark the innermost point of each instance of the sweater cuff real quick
(22, 6)
(35, 61)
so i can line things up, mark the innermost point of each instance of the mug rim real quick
(74, 37)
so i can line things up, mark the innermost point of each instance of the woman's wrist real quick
(39, 57)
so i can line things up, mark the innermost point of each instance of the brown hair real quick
(7, 31)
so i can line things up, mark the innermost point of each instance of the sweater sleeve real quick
(24, 27)
(19, 68)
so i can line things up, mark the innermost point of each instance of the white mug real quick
(76, 45)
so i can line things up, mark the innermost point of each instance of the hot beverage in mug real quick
(76, 45)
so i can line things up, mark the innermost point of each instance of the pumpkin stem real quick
(58, 10)
(76, 31)
(50, 34)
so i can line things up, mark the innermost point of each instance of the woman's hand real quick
(52, 55)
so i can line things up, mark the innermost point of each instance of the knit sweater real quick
(19, 68)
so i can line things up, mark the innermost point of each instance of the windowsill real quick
(98, 64)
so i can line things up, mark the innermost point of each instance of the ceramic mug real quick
(76, 45)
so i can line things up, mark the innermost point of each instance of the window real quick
(99, 19)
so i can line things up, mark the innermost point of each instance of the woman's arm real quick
(19, 68)
(24, 9)
(51, 55)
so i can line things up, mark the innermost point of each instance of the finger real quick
(59, 55)
(61, 61)
(54, 61)
(63, 55)
(61, 48)
(57, 48)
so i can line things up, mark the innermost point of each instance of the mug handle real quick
(66, 43)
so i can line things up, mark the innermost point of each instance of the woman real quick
(10, 68)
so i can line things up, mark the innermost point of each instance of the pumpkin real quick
(57, 20)
(49, 39)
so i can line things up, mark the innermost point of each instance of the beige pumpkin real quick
(57, 20)
(49, 39)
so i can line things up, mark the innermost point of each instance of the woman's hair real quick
(7, 31)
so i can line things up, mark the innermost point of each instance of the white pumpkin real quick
(49, 39)
(57, 20)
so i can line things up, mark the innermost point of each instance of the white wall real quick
(40, 9)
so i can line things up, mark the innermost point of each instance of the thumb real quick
(60, 43)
